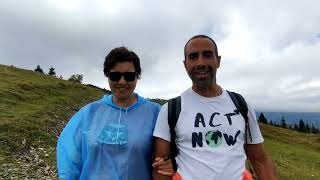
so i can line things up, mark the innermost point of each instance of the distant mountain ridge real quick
(293, 117)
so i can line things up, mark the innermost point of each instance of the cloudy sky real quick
(270, 49)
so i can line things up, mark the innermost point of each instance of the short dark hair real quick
(201, 36)
(118, 55)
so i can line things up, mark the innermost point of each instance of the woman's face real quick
(122, 89)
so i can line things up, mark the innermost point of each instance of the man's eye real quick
(192, 56)
(208, 55)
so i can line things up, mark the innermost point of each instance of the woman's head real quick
(122, 68)
(118, 55)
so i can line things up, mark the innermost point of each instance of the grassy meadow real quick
(33, 110)
(296, 155)
(35, 107)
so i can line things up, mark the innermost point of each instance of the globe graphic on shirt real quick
(213, 138)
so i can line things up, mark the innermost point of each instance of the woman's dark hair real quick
(118, 55)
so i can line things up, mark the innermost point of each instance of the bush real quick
(76, 78)
(38, 69)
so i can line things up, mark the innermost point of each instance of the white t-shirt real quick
(209, 136)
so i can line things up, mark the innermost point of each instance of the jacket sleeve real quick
(69, 162)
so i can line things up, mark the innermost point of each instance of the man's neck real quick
(210, 91)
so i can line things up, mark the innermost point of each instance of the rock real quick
(28, 158)
(56, 116)
(47, 168)
(24, 142)
(40, 161)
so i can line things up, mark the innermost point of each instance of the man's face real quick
(201, 62)
(122, 89)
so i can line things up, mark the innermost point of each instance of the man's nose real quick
(201, 60)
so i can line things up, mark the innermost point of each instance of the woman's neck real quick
(124, 103)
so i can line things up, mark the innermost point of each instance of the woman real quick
(111, 138)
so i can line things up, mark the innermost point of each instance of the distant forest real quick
(302, 126)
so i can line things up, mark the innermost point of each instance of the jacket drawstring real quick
(119, 120)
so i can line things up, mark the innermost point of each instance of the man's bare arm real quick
(161, 149)
(262, 164)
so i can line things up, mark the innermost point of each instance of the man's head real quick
(202, 60)
(201, 36)
(122, 67)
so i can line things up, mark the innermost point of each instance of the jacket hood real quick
(108, 100)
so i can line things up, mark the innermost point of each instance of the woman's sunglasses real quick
(128, 76)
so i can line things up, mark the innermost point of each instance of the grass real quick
(33, 110)
(296, 155)
(35, 107)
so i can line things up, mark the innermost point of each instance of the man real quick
(210, 137)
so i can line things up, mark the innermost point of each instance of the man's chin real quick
(201, 79)
(202, 82)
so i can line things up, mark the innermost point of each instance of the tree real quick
(52, 71)
(262, 119)
(271, 123)
(38, 69)
(296, 127)
(159, 101)
(283, 123)
(307, 128)
(76, 78)
(302, 126)
(313, 129)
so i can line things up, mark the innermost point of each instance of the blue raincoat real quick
(106, 142)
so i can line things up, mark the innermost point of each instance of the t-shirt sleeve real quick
(253, 127)
(162, 129)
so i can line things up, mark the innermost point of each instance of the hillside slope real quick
(296, 155)
(34, 108)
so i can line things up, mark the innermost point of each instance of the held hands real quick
(163, 166)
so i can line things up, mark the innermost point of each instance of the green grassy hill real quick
(35, 107)
(296, 155)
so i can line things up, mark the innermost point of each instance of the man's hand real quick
(161, 149)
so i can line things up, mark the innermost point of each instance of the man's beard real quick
(206, 81)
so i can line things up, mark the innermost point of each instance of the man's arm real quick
(161, 149)
(262, 164)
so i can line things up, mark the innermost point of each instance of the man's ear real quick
(184, 63)
(219, 61)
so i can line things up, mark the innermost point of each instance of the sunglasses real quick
(128, 76)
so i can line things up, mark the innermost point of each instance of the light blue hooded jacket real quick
(103, 141)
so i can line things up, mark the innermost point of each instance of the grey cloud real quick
(282, 44)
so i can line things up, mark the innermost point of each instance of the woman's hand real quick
(163, 166)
